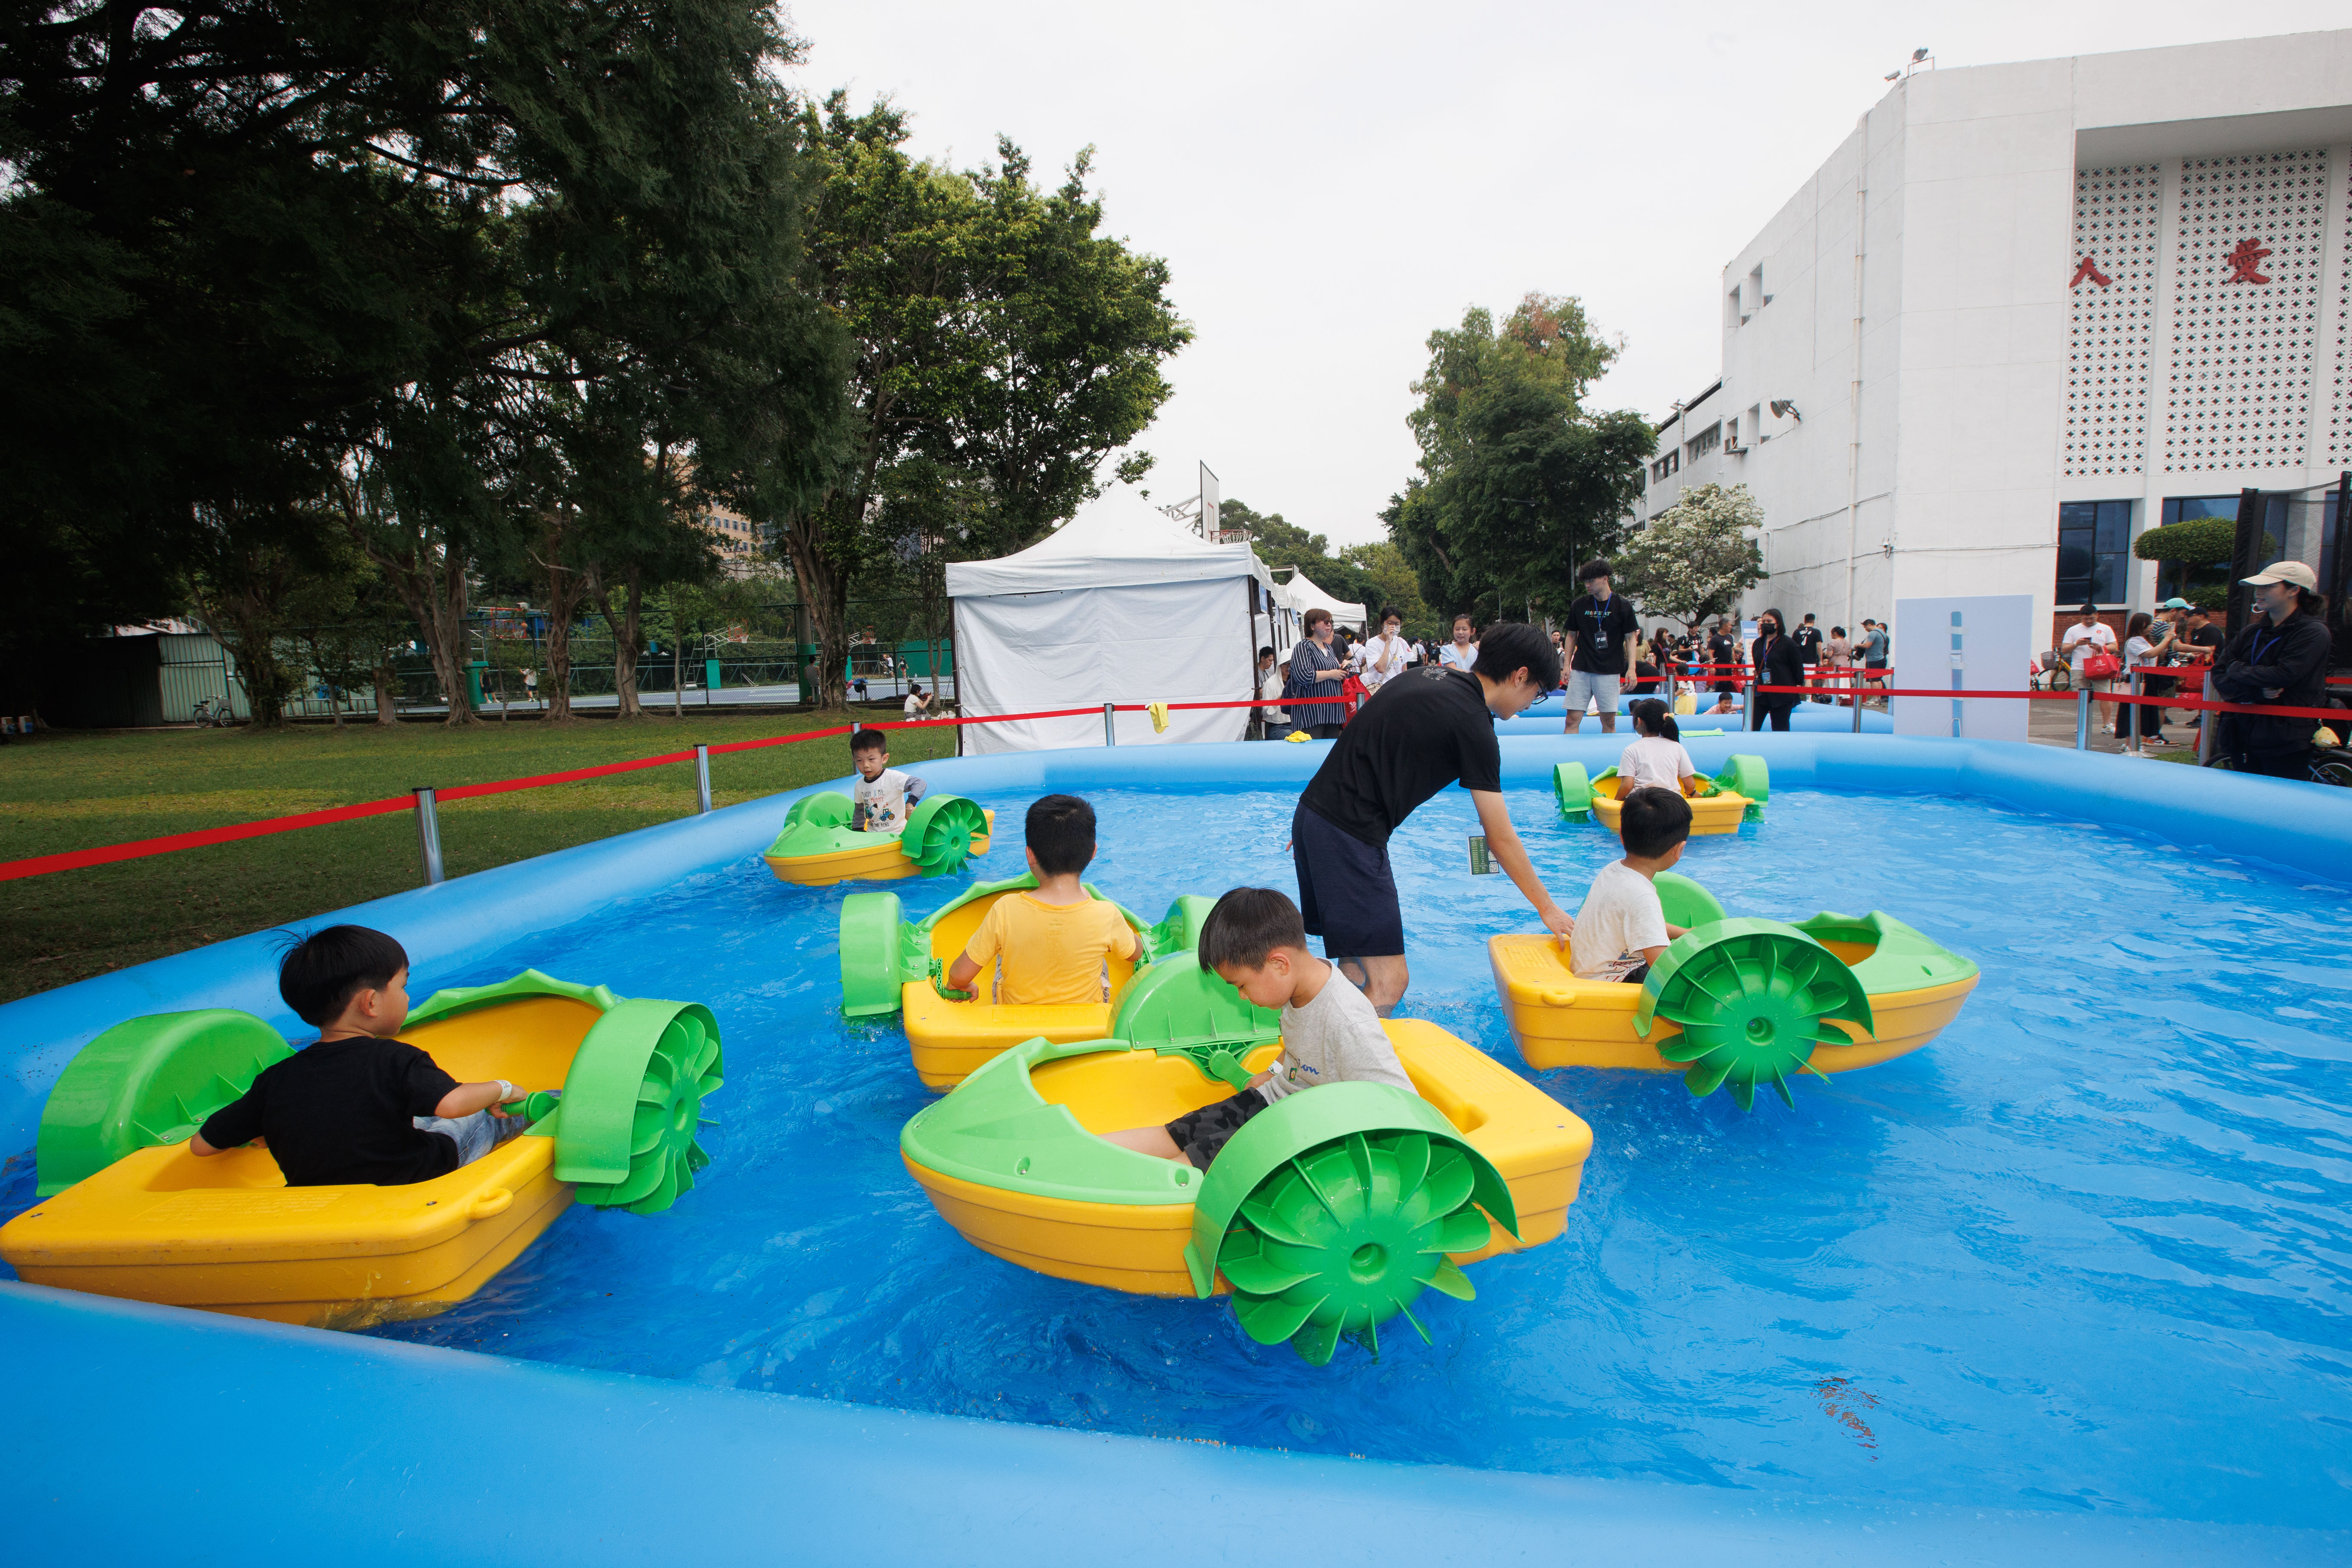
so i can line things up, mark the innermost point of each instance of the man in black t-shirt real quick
(358, 1107)
(1426, 729)
(1601, 630)
(1808, 639)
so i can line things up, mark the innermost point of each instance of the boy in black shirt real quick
(1427, 729)
(358, 1106)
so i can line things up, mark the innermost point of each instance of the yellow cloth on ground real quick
(1053, 954)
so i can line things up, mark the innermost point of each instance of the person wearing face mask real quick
(1777, 663)
(1382, 659)
(2278, 659)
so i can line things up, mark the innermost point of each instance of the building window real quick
(1706, 441)
(2094, 544)
(1731, 316)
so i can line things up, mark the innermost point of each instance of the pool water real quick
(2091, 1249)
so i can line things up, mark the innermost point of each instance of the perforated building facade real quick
(2026, 312)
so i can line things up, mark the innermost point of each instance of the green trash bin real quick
(710, 673)
(474, 681)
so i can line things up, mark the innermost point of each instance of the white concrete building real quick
(2025, 312)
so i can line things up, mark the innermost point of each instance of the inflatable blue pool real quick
(2068, 1286)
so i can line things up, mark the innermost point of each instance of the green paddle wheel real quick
(1753, 997)
(940, 831)
(1330, 1212)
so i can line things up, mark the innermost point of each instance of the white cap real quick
(2293, 572)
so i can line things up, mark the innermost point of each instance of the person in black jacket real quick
(1777, 663)
(2279, 660)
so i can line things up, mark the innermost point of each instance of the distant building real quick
(2024, 313)
(736, 538)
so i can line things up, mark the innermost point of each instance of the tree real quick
(250, 557)
(2196, 545)
(1695, 558)
(374, 238)
(1386, 580)
(1281, 544)
(1518, 484)
(995, 333)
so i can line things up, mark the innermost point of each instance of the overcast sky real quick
(1330, 182)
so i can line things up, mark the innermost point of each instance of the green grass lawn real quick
(77, 790)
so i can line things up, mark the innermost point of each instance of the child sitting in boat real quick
(358, 1106)
(1050, 947)
(1255, 939)
(1656, 759)
(1622, 930)
(882, 795)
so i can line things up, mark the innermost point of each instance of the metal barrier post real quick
(2133, 748)
(2081, 718)
(1110, 723)
(2206, 726)
(702, 779)
(1856, 679)
(428, 835)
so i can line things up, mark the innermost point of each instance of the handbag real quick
(2101, 667)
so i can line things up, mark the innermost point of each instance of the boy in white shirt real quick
(1622, 930)
(1384, 657)
(1656, 759)
(882, 795)
(1255, 939)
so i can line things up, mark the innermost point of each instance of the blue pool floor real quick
(2087, 1252)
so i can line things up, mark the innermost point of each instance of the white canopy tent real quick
(1119, 604)
(1304, 596)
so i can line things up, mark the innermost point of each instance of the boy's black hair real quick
(1508, 646)
(1591, 569)
(868, 741)
(1246, 925)
(1266, 653)
(322, 971)
(1653, 821)
(1649, 711)
(1391, 612)
(1061, 830)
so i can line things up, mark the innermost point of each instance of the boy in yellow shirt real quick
(1053, 946)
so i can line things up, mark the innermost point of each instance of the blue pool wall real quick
(371, 1451)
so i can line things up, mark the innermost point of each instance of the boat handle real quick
(495, 1201)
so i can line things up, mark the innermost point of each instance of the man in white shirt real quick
(1384, 657)
(2087, 637)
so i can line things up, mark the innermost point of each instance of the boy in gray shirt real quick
(1256, 940)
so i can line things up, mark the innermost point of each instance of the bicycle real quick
(213, 711)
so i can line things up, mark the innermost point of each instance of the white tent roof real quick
(1303, 594)
(1116, 541)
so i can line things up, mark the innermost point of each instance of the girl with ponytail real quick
(1656, 759)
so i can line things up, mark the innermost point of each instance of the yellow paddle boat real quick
(126, 1210)
(1743, 1002)
(1719, 804)
(889, 964)
(1328, 1213)
(818, 847)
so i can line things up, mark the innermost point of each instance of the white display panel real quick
(1978, 643)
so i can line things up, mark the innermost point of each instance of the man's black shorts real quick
(1199, 1135)
(1345, 890)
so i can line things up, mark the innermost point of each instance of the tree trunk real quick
(825, 590)
(624, 637)
(565, 588)
(387, 697)
(431, 583)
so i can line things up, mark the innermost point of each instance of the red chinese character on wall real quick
(2243, 261)
(2087, 268)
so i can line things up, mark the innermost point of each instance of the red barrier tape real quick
(2167, 700)
(75, 859)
